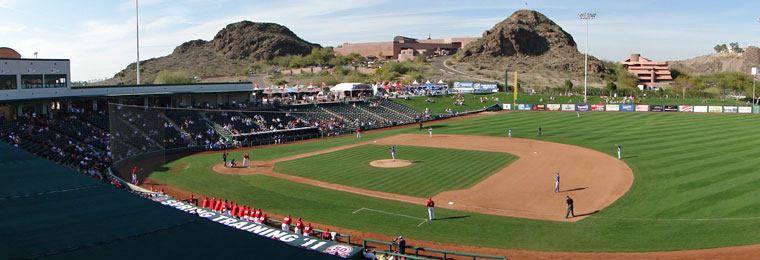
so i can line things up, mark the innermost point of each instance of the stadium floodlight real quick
(586, 16)
(137, 30)
(754, 78)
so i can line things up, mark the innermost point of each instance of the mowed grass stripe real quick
(434, 169)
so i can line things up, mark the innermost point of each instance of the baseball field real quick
(692, 181)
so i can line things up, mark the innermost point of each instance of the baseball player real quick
(539, 130)
(509, 133)
(431, 208)
(299, 226)
(556, 183)
(286, 223)
(134, 175)
(618, 146)
(430, 131)
(569, 202)
(245, 160)
(307, 230)
(393, 153)
(224, 158)
(358, 133)
(578, 113)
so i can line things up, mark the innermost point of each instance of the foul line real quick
(391, 213)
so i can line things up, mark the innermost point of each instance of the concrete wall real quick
(103, 91)
(20, 67)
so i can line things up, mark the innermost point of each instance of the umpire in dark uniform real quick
(569, 207)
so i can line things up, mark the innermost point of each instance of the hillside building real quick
(651, 74)
(405, 48)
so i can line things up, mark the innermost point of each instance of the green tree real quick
(735, 47)
(173, 77)
(611, 86)
(569, 84)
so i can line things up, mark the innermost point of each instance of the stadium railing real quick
(444, 252)
(337, 235)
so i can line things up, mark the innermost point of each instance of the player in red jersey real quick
(431, 208)
(299, 226)
(286, 223)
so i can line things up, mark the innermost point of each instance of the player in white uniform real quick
(430, 131)
(509, 133)
(556, 183)
(393, 153)
(618, 152)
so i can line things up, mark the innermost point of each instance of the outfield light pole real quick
(137, 30)
(586, 16)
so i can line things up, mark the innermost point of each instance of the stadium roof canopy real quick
(52, 212)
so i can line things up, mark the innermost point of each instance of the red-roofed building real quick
(649, 73)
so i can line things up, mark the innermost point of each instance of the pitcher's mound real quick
(389, 163)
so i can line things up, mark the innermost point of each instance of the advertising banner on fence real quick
(568, 107)
(524, 107)
(540, 107)
(745, 110)
(670, 108)
(730, 109)
(626, 108)
(553, 107)
(506, 106)
(686, 109)
(655, 108)
(582, 107)
(700, 109)
(613, 107)
(715, 109)
(290, 238)
(597, 107)
(642, 108)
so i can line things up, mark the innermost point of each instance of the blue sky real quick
(99, 36)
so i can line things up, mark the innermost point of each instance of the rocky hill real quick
(231, 50)
(529, 42)
(713, 63)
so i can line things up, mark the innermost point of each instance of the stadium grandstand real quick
(51, 130)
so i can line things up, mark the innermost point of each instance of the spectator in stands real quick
(401, 246)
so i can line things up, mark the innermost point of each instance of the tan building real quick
(405, 48)
(649, 73)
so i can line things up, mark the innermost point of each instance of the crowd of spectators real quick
(66, 139)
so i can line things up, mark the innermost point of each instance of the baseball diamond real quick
(664, 175)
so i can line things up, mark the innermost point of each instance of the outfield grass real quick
(433, 169)
(695, 186)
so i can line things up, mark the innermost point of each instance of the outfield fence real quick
(445, 254)
(634, 108)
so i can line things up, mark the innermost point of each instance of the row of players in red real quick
(250, 214)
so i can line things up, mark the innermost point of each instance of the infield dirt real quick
(525, 188)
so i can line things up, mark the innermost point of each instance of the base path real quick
(525, 188)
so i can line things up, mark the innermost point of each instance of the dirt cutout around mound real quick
(525, 188)
(389, 163)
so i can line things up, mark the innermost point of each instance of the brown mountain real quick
(231, 50)
(742, 62)
(528, 41)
